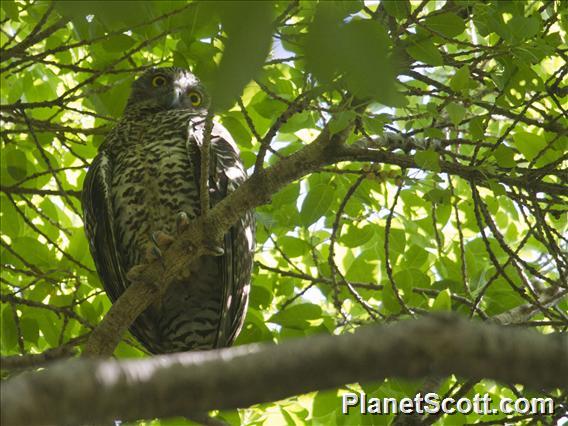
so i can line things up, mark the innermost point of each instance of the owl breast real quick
(152, 181)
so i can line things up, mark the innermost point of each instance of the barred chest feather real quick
(153, 180)
(145, 173)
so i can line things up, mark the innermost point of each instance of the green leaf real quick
(179, 60)
(448, 24)
(350, 52)
(365, 47)
(477, 128)
(78, 245)
(87, 309)
(389, 300)
(438, 196)
(249, 27)
(500, 297)
(496, 187)
(504, 156)
(297, 316)
(523, 27)
(12, 88)
(425, 51)
(16, 165)
(319, 44)
(410, 278)
(363, 267)
(269, 108)
(11, 222)
(316, 204)
(456, 112)
(398, 9)
(462, 81)
(32, 250)
(375, 124)
(293, 246)
(341, 121)
(428, 160)
(11, 9)
(76, 10)
(415, 257)
(30, 330)
(238, 131)
(397, 241)
(324, 407)
(356, 237)
(118, 43)
(529, 144)
(443, 301)
(9, 331)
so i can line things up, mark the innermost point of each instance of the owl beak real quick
(180, 98)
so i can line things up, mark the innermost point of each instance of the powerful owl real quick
(143, 187)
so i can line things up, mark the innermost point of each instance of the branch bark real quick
(88, 390)
(35, 191)
(208, 230)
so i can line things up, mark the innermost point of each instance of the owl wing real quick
(99, 225)
(226, 174)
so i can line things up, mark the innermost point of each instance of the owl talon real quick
(136, 272)
(182, 222)
(212, 249)
(161, 239)
(153, 253)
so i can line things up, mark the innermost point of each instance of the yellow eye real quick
(195, 98)
(159, 81)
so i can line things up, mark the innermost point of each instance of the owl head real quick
(168, 88)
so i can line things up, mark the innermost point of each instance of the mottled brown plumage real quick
(146, 174)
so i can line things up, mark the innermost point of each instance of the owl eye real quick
(195, 98)
(159, 81)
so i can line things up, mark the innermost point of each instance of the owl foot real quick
(160, 242)
(152, 253)
(136, 272)
(210, 248)
(182, 222)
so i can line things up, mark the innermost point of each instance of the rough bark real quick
(88, 390)
(208, 231)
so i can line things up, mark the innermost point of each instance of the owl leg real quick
(182, 223)
(160, 241)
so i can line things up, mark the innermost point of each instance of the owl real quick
(143, 187)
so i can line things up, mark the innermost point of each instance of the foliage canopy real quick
(468, 214)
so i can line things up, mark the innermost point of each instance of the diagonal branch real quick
(92, 391)
(257, 190)
(200, 234)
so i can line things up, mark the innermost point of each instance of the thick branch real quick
(85, 390)
(38, 360)
(124, 311)
(326, 149)
(200, 235)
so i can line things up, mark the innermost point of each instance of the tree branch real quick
(257, 190)
(86, 390)
(35, 191)
(200, 234)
